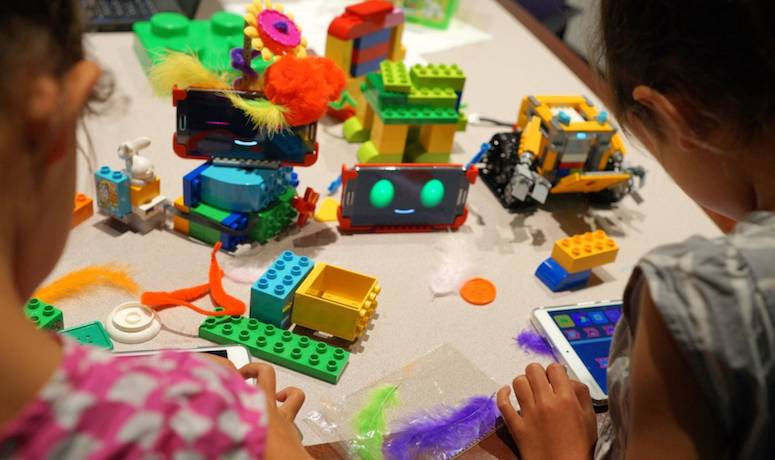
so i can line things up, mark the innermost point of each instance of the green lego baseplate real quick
(283, 348)
(431, 95)
(44, 316)
(93, 333)
(209, 39)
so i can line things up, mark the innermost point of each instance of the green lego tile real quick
(211, 40)
(284, 348)
(93, 333)
(438, 75)
(418, 115)
(433, 97)
(395, 77)
(210, 212)
(44, 316)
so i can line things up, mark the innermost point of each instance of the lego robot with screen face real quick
(560, 144)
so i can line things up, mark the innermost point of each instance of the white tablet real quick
(580, 336)
(237, 354)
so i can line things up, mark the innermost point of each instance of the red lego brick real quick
(350, 26)
(371, 10)
(369, 54)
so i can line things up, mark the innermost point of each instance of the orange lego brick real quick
(583, 252)
(180, 224)
(141, 194)
(82, 209)
(389, 139)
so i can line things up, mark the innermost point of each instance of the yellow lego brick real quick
(589, 182)
(340, 51)
(335, 301)
(364, 112)
(178, 223)
(396, 51)
(554, 101)
(389, 139)
(588, 127)
(437, 138)
(327, 210)
(583, 252)
(83, 208)
(532, 138)
(141, 194)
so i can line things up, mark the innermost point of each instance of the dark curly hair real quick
(714, 58)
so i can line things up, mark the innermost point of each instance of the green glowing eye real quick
(382, 193)
(432, 193)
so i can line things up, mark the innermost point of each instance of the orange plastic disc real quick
(478, 291)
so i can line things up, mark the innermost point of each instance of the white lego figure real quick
(138, 168)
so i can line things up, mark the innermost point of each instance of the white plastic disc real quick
(132, 322)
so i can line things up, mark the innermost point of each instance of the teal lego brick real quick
(418, 116)
(283, 348)
(273, 292)
(438, 76)
(210, 40)
(44, 316)
(395, 77)
(243, 189)
(93, 333)
(113, 196)
(433, 97)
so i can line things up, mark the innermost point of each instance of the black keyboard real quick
(119, 15)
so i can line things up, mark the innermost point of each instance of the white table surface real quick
(505, 248)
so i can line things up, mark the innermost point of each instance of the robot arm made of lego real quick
(526, 181)
(138, 168)
(617, 162)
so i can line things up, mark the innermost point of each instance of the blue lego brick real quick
(367, 41)
(558, 279)
(273, 291)
(192, 186)
(356, 70)
(113, 195)
(241, 189)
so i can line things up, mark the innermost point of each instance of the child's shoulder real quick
(167, 403)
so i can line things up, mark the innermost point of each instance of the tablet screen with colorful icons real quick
(589, 332)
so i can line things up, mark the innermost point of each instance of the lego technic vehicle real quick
(560, 144)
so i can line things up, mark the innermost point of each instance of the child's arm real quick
(282, 439)
(669, 414)
(556, 418)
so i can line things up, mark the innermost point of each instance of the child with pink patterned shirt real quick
(60, 399)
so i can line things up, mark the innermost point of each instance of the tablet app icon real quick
(591, 332)
(564, 321)
(572, 334)
(581, 319)
(598, 317)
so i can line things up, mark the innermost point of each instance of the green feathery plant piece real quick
(370, 424)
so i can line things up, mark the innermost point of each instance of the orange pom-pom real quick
(304, 86)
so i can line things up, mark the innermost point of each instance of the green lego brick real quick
(462, 121)
(284, 348)
(438, 75)
(353, 130)
(395, 77)
(418, 115)
(415, 153)
(211, 40)
(433, 97)
(276, 218)
(44, 316)
(377, 95)
(93, 333)
(203, 233)
(368, 153)
(210, 212)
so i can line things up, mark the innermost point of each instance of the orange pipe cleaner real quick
(183, 297)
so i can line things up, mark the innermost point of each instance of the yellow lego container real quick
(141, 194)
(583, 252)
(335, 301)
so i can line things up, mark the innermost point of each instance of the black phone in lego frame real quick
(209, 126)
(405, 195)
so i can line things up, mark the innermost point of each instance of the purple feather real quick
(443, 431)
(532, 342)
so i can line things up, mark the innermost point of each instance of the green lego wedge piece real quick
(438, 75)
(276, 218)
(395, 77)
(283, 348)
(93, 333)
(210, 212)
(44, 316)
(211, 40)
(397, 115)
(433, 97)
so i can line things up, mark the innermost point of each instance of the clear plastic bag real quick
(433, 408)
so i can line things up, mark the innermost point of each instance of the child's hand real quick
(283, 438)
(556, 418)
